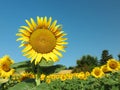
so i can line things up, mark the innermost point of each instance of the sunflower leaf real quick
(43, 62)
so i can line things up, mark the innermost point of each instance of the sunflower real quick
(97, 72)
(105, 68)
(42, 39)
(81, 75)
(5, 70)
(113, 65)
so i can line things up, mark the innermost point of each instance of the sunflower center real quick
(113, 65)
(97, 72)
(42, 41)
(5, 67)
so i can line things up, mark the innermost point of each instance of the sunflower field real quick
(43, 42)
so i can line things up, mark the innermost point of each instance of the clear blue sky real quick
(91, 25)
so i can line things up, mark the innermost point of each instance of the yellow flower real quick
(113, 64)
(87, 74)
(48, 81)
(63, 77)
(44, 39)
(97, 72)
(42, 77)
(105, 68)
(7, 74)
(5, 70)
(26, 75)
(81, 75)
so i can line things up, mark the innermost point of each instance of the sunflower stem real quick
(37, 78)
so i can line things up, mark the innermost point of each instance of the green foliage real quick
(109, 82)
(86, 63)
(52, 69)
(105, 57)
(25, 85)
(119, 57)
(45, 63)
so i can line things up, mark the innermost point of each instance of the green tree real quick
(105, 57)
(86, 63)
(119, 57)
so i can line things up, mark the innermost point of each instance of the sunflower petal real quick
(61, 48)
(46, 56)
(38, 58)
(29, 24)
(21, 45)
(54, 57)
(49, 21)
(53, 25)
(56, 28)
(61, 39)
(61, 35)
(33, 58)
(62, 43)
(33, 23)
(58, 33)
(24, 32)
(27, 48)
(26, 28)
(57, 52)
(28, 53)
(26, 39)
(45, 22)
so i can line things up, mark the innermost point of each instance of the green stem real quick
(37, 80)
(37, 77)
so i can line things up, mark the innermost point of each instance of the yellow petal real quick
(46, 56)
(54, 57)
(28, 53)
(40, 21)
(58, 33)
(29, 24)
(33, 58)
(33, 23)
(62, 43)
(49, 21)
(61, 39)
(61, 48)
(38, 58)
(21, 45)
(57, 52)
(61, 35)
(26, 28)
(24, 32)
(26, 39)
(56, 28)
(19, 34)
(45, 22)
(27, 48)
(53, 25)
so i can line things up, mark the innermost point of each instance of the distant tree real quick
(105, 57)
(86, 63)
(119, 57)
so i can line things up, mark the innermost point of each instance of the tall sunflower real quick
(42, 39)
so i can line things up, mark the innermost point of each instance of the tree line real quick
(88, 62)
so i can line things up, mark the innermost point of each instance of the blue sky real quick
(91, 25)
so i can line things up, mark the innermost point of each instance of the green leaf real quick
(20, 64)
(25, 85)
(3, 80)
(115, 87)
(43, 62)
